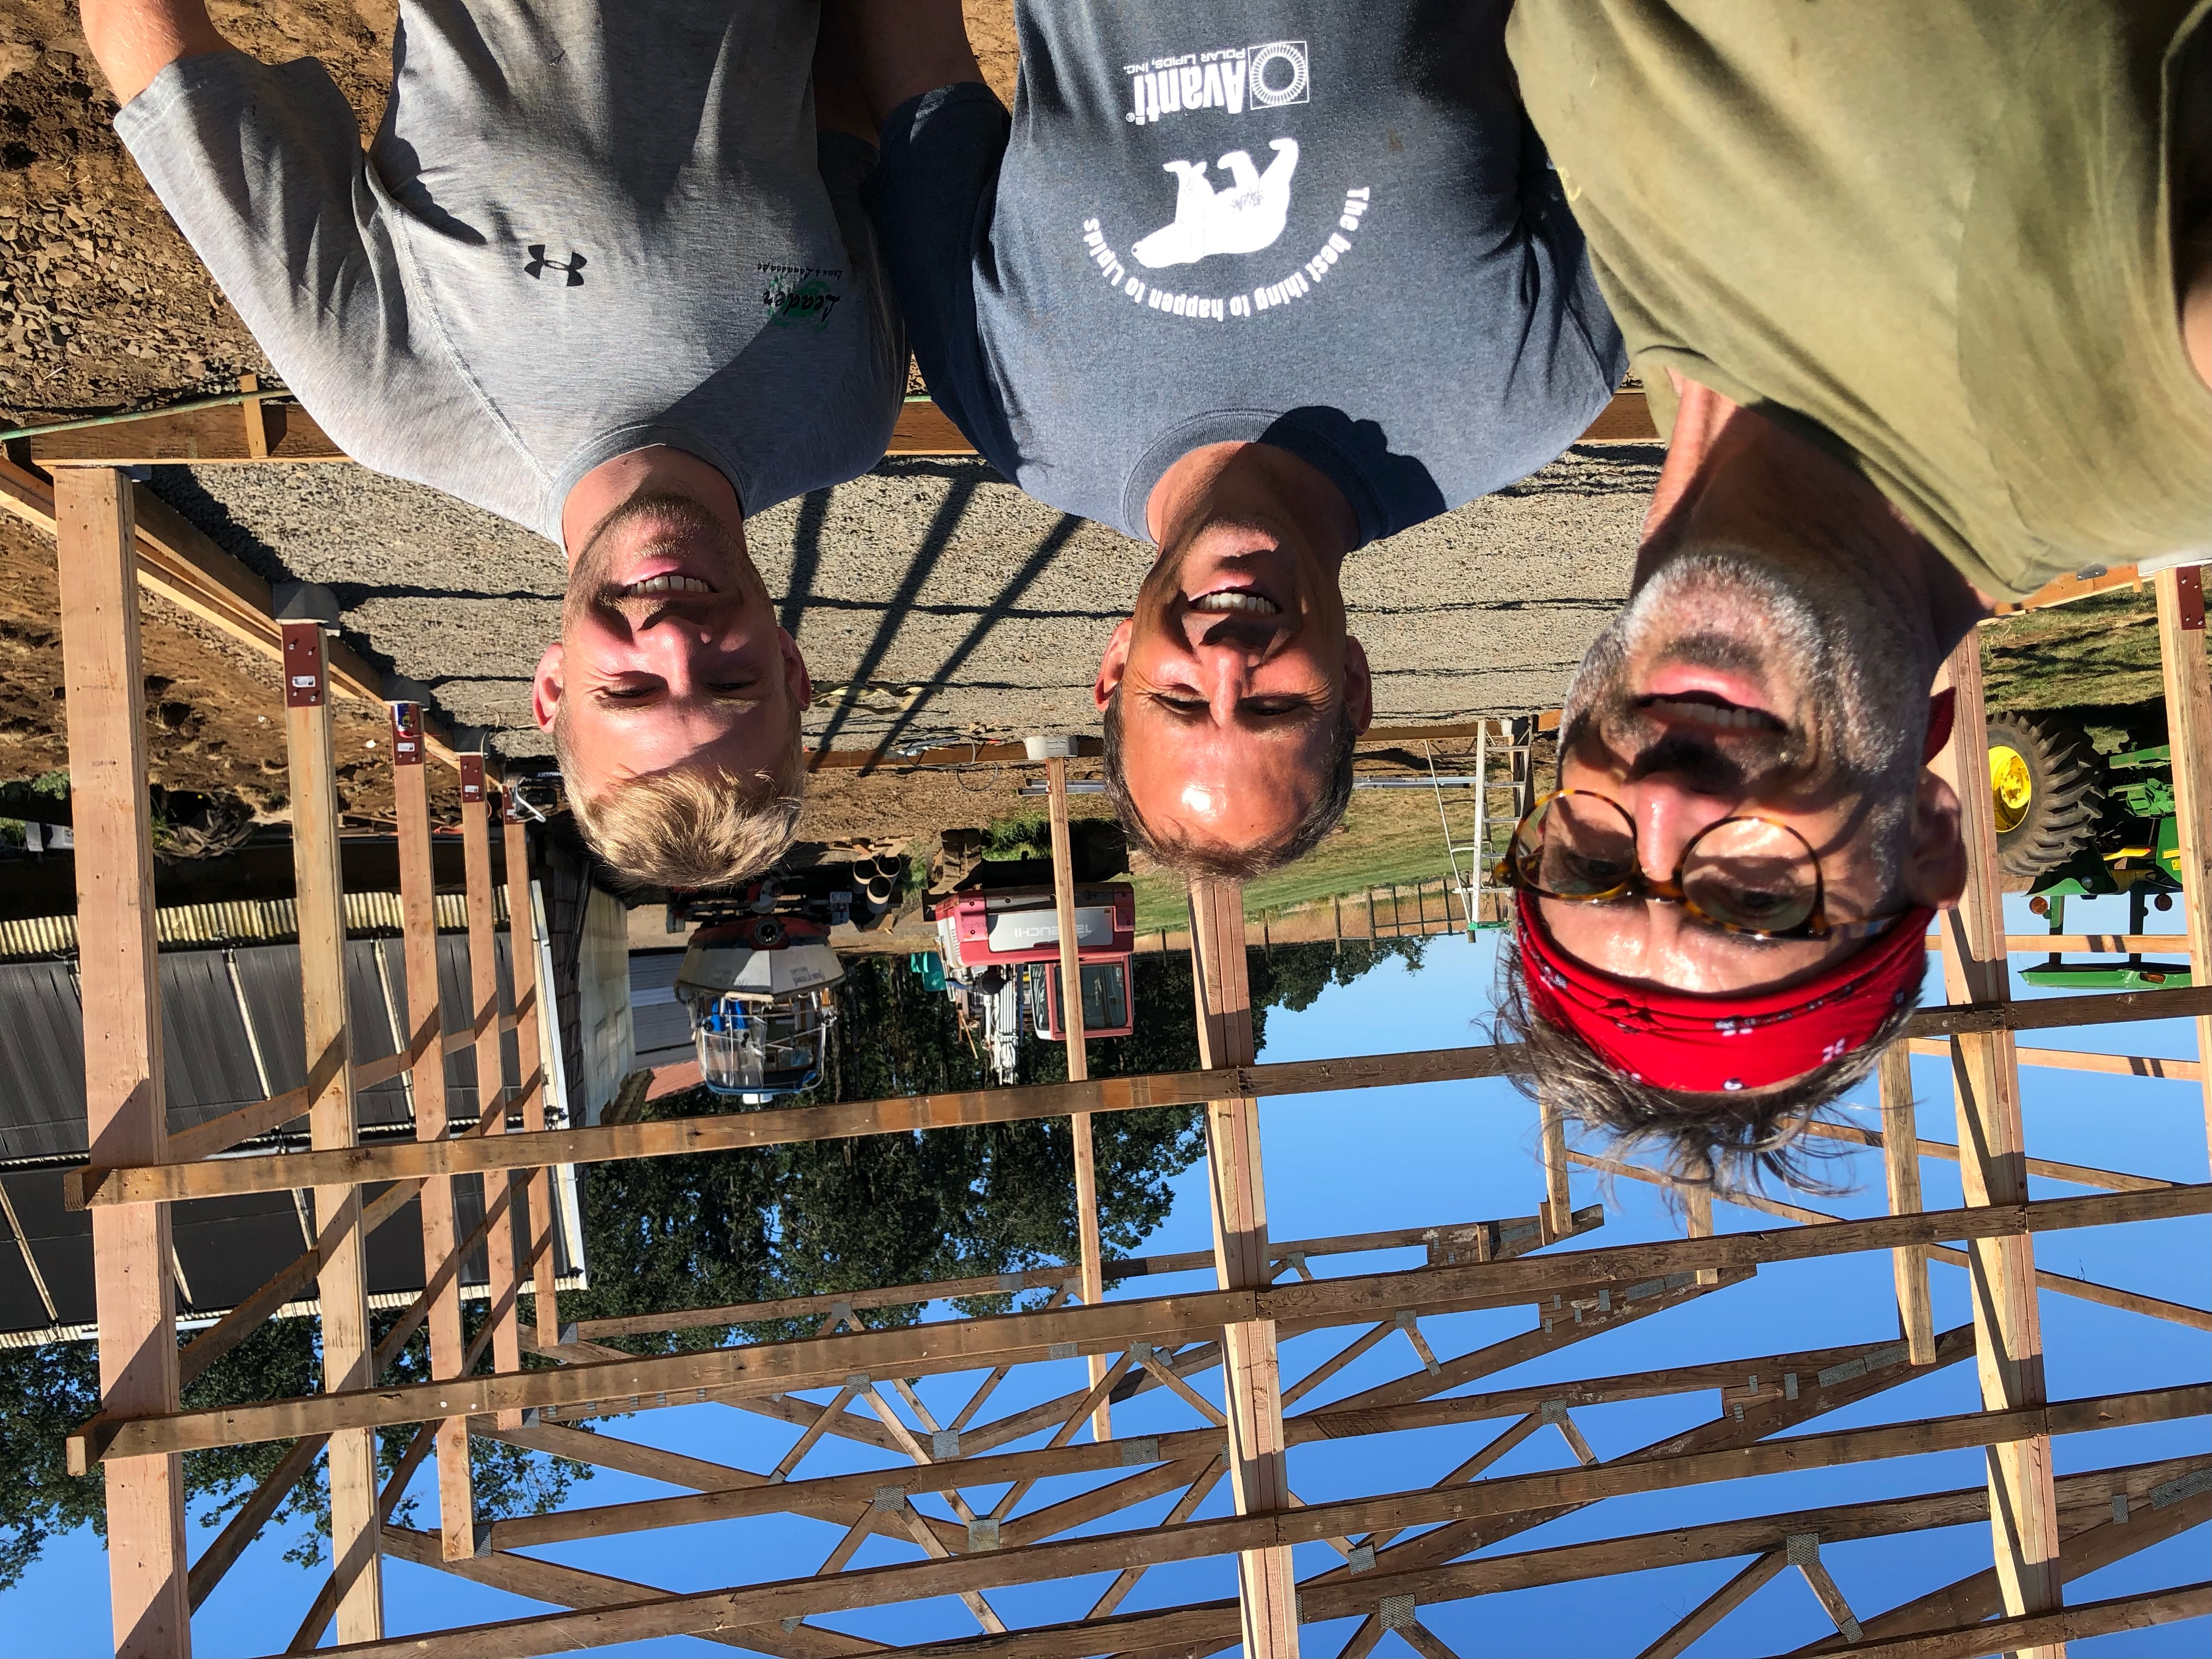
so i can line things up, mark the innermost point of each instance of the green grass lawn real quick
(1387, 835)
(2099, 652)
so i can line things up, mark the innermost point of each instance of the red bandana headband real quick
(1707, 1044)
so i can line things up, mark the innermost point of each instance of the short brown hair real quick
(1199, 860)
(699, 826)
(1722, 1142)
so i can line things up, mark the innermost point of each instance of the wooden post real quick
(2189, 730)
(522, 958)
(1078, 1071)
(341, 1282)
(1985, 1076)
(1900, 1159)
(491, 1088)
(1557, 1210)
(418, 922)
(1259, 1475)
(1697, 1222)
(127, 1110)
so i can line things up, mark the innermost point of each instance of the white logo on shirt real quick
(1232, 78)
(1244, 218)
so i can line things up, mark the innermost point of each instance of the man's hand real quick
(895, 50)
(134, 40)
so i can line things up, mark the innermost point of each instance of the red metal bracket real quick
(473, 780)
(304, 669)
(406, 733)
(2189, 588)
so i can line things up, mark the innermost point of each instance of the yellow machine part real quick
(2011, 785)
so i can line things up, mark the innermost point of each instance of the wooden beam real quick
(262, 1305)
(1258, 1473)
(571, 1587)
(522, 960)
(2083, 1175)
(2081, 1289)
(2181, 638)
(341, 1282)
(1985, 1078)
(742, 1493)
(251, 1516)
(1089, 1252)
(2072, 1060)
(2093, 1539)
(2049, 1632)
(906, 1114)
(126, 1104)
(1515, 1233)
(1338, 1596)
(1718, 1605)
(1197, 1540)
(433, 1117)
(972, 1344)
(1900, 1139)
(491, 1084)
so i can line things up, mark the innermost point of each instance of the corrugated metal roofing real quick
(41, 1062)
(236, 922)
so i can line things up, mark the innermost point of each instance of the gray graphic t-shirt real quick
(1327, 227)
(578, 231)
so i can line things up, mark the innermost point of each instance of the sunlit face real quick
(1718, 691)
(669, 652)
(1234, 671)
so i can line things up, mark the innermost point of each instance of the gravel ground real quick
(933, 599)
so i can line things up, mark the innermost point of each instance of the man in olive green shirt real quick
(1921, 291)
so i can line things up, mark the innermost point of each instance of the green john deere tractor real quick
(2076, 822)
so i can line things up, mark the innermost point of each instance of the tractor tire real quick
(2048, 785)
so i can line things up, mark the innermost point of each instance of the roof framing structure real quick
(1393, 1553)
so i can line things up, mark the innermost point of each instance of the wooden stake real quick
(1258, 1471)
(1900, 1159)
(522, 960)
(341, 1282)
(126, 1107)
(2189, 731)
(2008, 1322)
(1078, 1071)
(491, 1087)
(426, 1022)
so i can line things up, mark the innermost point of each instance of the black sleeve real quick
(932, 198)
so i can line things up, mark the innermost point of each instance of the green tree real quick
(824, 1217)
(45, 1392)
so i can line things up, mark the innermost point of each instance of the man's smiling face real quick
(669, 654)
(1234, 677)
(1716, 693)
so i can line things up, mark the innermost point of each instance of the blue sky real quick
(1388, 1158)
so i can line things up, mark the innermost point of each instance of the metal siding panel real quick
(395, 1249)
(230, 1246)
(270, 975)
(207, 1066)
(41, 1062)
(468, 1210)
(373, 1037)
(453, 1003)
(20, 1307)
(61, 1240)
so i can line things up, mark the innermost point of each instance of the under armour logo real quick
(539, 264)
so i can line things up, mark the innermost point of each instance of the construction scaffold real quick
(1395, 1554)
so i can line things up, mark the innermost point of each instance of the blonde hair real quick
(690, 826)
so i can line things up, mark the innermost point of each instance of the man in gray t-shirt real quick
(597, 273)
(1258, 281)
